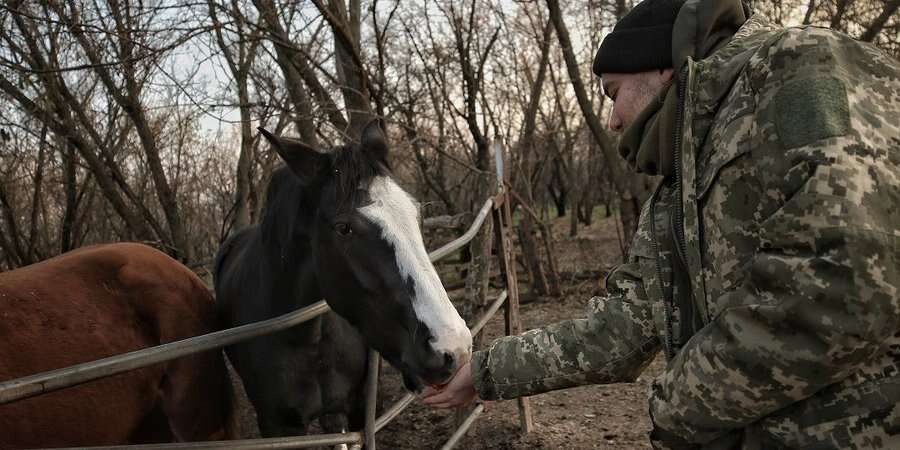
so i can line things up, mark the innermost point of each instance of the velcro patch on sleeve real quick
(810, 109)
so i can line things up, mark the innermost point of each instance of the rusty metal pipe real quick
(463, 428)
(489, 313)
(394, 411)
(250, 444)
(81, 373)
(465, 238)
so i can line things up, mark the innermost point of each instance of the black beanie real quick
(641, 40)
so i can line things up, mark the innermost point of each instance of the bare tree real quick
(632, 190)
(239, 53)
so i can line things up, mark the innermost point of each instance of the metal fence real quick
(41, 383)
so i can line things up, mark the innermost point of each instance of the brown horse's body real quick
(101, 301)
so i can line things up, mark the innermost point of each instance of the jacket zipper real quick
(668, 301)
(679, 205)
(678, 217)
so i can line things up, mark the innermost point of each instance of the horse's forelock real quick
(354, 169)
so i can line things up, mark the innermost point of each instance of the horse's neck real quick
(284, 237)
(294, 281)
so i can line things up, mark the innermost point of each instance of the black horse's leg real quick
(335, 423)
(280, 423)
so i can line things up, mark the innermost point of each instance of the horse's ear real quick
(374, 141)
(303, 160)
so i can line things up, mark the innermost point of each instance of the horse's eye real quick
(343, 228)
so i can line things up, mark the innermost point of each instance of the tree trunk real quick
(478, 273)
(70, 185)
(877, 25)
(240, 56)
(12, 237)
(627, 187)
(554, 285)
(34, 252)
(129, 99)
(573, 218)
(531, 256)
(58, 116)
(354, 81)
(807, 18)
(284, 56)
(838, 17)
(557, 188)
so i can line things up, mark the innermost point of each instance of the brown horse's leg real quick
(199, 400)
(153, 429)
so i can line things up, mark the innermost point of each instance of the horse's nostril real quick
(448, 361)
(441, 362)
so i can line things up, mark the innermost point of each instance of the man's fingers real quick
(428, 392)
(444, 400)
(438, 397)
(446, 405)
(447, 400)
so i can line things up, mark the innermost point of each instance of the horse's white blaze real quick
(396, 213)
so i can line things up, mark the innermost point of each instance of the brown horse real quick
(96, 302)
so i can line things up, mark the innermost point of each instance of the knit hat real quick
(641, 40)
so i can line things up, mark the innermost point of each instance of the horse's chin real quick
(412, 382)
(415, 381)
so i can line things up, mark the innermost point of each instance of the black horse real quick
(336, 226)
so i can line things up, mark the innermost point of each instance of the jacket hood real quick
(702, 26)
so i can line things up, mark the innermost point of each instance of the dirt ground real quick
(589, 417)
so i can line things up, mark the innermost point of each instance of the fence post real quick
(374, 362)
(502, 224)
(478, 277)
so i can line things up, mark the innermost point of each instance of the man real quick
(766, 263)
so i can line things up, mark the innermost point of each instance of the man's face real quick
(631, 93)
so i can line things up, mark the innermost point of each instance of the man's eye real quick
(343, 229)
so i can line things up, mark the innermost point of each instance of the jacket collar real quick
(716, 74)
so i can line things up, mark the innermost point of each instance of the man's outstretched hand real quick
(460, 391)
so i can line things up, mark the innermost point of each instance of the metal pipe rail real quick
(82, 373)
(467, 236)
(463, 427)
(394, 411)
(501, 299)
(354, 438)
(371, 398)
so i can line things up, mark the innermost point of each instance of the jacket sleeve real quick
(821, 292)
(614, 343)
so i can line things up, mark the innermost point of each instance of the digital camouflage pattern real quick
(790, 223)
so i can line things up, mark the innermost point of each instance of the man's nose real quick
(614, 124)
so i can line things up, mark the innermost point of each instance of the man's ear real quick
(374, 142)
(306, 163)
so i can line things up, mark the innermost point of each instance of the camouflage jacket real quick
(783, 328)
